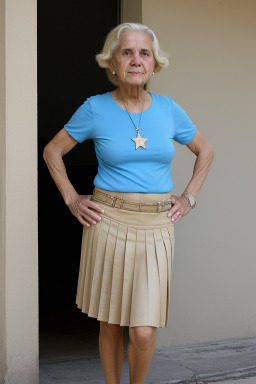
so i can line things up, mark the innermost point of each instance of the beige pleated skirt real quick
(126, 264)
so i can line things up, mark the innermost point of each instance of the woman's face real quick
(133, 60)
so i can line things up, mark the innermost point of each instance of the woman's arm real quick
(80, 205)
(204, 156)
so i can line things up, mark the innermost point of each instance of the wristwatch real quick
(191, 199)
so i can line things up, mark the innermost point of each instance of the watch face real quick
(192, 200)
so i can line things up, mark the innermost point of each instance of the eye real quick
(144, 53)
(126, 53)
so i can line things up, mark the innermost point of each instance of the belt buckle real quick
(113, 200)
(120, 204)
(158, 206)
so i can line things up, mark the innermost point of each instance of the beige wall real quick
(2, 192)
(212, 76)
(18, 197)
(131, 11)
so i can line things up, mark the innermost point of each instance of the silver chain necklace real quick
(139, 141)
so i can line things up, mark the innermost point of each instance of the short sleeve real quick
(184, 128)
(80, 125)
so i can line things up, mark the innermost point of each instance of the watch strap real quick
(191, 199)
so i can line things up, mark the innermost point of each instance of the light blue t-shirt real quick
(120, 167)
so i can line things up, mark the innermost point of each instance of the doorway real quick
(69, 36)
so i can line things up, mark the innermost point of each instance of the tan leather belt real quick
(119, 202)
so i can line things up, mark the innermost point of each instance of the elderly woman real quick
(128, 222)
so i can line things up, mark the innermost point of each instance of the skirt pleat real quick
(118, 276)
(168, 249)
(162, 270)
(129, 262)
(153, 279)
(97, 269)
(89, 266)
(139, 310)
(84, 270)
(107, 278)
(125, 269)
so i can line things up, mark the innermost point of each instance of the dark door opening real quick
(69, 36)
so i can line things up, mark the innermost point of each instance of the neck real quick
(132, 94)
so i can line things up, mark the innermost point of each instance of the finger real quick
(173, 210)
(177, 219)
(90, 213)
(88, 218)
(94, 206)
(82, 221)
(173, 200)
(175, 207)
(176, 215)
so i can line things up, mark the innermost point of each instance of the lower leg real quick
(111, 351)
(140, 351)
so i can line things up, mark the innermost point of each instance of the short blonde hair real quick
(112, 41)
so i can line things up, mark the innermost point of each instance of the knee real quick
(142, 337)
(113, 331)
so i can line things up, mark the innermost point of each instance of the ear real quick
(110, 64)
(157, 67)
(156, 64)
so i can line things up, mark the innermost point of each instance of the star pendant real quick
(139, 141)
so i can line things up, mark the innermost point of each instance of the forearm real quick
(58, 172)
(200, 171)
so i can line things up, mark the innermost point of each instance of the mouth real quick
(135, 73)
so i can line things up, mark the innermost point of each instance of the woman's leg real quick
(111, 351)
(140, 351)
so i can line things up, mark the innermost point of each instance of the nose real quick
(136, 59)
